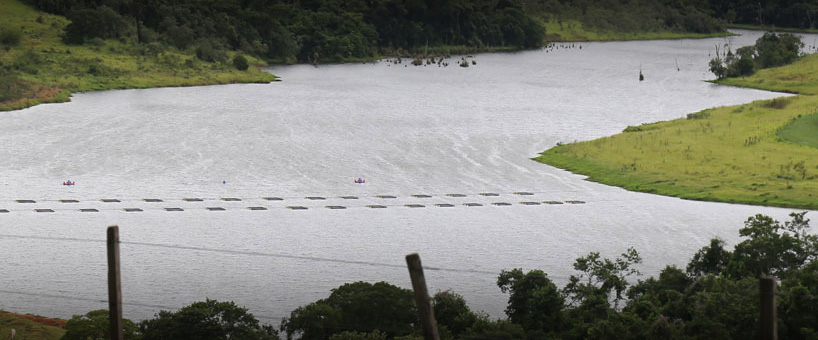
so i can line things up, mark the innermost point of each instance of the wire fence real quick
(78, 295)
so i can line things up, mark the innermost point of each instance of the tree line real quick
(335, 30)
(327, 30)
(716, 296)
(781, 13)
(633, 16)
(770, 50)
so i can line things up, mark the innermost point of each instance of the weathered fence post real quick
(769, 329)
(114, 285)
(422, 299)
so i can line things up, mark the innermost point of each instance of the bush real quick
(352, 335)
(11, 87)
(102, 22)
(698, 115)
(28, 62)
(777, 103)
(95, 325)
(153, 48)
(205, 51)
(98, 42)
(718, 68)
(10, 36)
(180, 36)
(240, 63)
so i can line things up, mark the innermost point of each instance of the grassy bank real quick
(773, 28)
(573, 30)
(30, 327)
(762, 153)
(800, 77)
(41, 68)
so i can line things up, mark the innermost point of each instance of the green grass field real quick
(803, 131)
(773, 28)
(761, 153)
(572, 30)
(50, 70)
(799, 77)
(29, 327)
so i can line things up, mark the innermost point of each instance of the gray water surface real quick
(406, 130)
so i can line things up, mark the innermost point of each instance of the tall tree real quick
(772, 248)
(602, 277)
(534, 301)
(360, 307)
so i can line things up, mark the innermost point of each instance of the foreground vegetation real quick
(761, 153)
(30, 327)
(715, 296)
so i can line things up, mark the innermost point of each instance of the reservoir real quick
(247, 192)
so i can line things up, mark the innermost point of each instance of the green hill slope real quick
(40, 68)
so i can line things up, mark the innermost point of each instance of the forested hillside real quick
(781, 13)
(716, 295)
(216, 35)
(301, 30)
(685, 15)
(331, 30)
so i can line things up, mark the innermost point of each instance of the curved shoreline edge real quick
(50, 71)
(730, 154)
(59, 95)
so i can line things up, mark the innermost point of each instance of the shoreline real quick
(50, 71)
(730, 154)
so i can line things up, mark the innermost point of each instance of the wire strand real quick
(249, 253)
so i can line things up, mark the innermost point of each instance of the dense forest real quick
(781, 13)
(328, 30)
(716, 296)
(333, 30)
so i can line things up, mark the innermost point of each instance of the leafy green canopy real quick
(329, 30)
(206, 320)
(96, 325)
(717, 297)
(781, 13)
(355, 307)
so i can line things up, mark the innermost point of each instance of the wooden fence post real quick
(114, 285)
(422, 299)
(769, 328)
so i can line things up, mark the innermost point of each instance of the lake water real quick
(406, 130)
